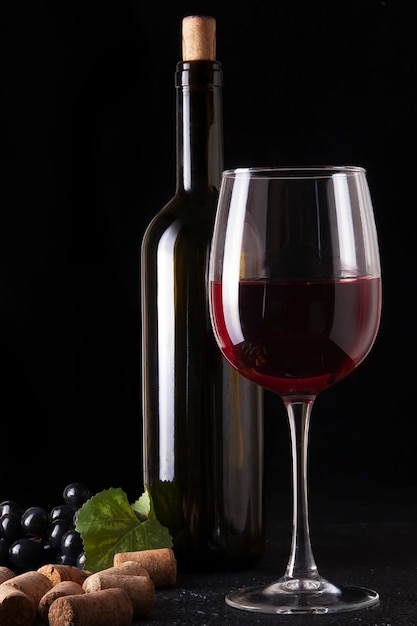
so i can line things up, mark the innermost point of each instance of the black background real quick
(88, 157)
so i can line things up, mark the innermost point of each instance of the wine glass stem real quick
(301, 564)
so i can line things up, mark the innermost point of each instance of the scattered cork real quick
(127, 568)
(198, 38)
(160, 563)
(5, 573)
(64, 588)
(33, 584)
(16, 608)
(58, 573)
(109, 607)
(140, 589)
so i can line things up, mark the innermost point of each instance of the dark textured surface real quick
(380, 556)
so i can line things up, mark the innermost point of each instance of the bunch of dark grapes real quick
(32, 537)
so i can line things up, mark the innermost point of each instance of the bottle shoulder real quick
(193, 212)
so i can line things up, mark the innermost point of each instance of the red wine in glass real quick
(302, 336)
(294, 288)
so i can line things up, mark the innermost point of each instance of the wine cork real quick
(140, 589)
(198, 38)
(16, 608)
(160, 563)
(127, 568)
(5, 573)
(57, 573)
(109, 607)
(33, 584)
(64, 588)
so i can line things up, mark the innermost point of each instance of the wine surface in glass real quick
(297, 337)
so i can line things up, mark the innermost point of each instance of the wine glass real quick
(295, 304)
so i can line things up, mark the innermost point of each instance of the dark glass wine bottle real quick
(202, 421)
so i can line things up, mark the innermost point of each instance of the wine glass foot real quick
(286, 596)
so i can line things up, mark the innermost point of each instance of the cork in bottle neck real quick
(198, 38)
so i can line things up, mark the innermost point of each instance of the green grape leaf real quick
(144, 506)
(108, 524)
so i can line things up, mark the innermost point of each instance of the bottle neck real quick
(199, 125)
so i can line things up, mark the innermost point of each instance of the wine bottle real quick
(202, 421)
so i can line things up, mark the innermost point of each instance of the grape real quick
(76, 494)
(10, 526)
(57, 530)
(10, 506)
(65, 559)
(71, 543)
(4, 552)
(35, 521)
(26, 553)
(34, 536)
(62, 512)
(80, 560)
